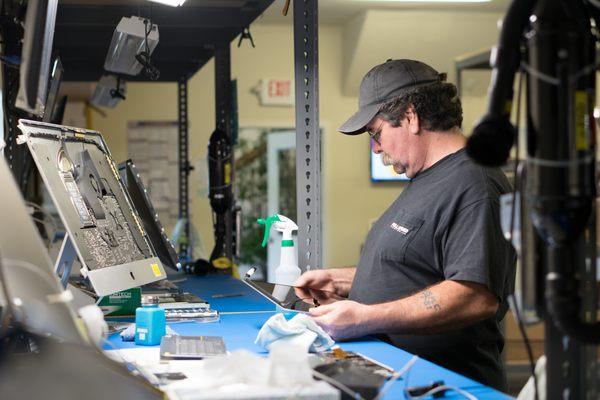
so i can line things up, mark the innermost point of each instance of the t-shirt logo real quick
(399, 228)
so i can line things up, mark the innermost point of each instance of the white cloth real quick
(93, 319)
(528, 391)
(300, 331)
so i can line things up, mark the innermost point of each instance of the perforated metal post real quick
(308, 135)
(10, 83)
(184, 166)
(223, 121)
(18, 157)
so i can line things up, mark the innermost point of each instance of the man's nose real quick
(375, 147)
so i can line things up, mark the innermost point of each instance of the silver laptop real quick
(84, 184)
(37, 300)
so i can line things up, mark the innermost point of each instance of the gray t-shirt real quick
(444, 225)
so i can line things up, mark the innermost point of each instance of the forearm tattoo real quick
(429, 301)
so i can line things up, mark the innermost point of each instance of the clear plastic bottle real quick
(150, 322)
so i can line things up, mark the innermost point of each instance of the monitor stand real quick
(65, 260)
(63, 267)
(166, 291)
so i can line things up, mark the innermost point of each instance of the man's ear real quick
(414, 125)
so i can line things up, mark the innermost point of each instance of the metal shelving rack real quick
(308, 133)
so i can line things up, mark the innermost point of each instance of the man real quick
(435, 270)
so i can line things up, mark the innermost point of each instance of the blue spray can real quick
(150, 322)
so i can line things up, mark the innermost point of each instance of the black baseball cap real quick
(385, 82)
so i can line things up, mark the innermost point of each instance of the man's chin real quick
(399, 169)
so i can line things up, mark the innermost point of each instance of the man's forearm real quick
(446, 306)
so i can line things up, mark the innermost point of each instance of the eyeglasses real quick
(376, 134)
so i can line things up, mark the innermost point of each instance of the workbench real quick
(245, 311)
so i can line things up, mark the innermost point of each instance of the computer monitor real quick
(36, 54)
(33, 295)
(59, 111)
(52, 98)
(141, 202)
(82, 179)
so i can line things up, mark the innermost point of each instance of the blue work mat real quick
(243, 316)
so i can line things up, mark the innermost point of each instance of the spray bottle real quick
(287, 272)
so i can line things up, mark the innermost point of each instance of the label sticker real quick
(399, 228)
(156, 270)
(221, 263)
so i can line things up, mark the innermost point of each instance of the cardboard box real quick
(121, 303)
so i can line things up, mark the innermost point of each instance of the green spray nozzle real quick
(267, 223)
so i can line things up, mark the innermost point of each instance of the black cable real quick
(527, 348)
(144, 57)
(118, 92)
(83, 141)
(512, 224)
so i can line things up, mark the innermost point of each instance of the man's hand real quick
(343, 319)
(334, 280)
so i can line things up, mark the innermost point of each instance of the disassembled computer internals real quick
(97, 210)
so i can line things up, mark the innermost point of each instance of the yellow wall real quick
(350, 201)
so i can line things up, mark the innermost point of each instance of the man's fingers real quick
(307, 278)
(317, 279)
(302, 293)
(318, 311)
(303, 280)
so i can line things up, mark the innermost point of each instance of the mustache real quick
(386, 159)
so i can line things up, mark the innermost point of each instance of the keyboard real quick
(198, 313)
(191, 347)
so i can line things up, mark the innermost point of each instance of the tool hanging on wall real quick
(220, 150)
(246, 35)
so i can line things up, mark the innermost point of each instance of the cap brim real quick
(357, 123)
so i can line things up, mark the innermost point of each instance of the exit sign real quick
(277, 92)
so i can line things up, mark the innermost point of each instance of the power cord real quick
(144, 57)
(511, 299)
(118, 92)
(338, 385)
(437, 387)
(357, 396)
(441, 389)
(397, 375)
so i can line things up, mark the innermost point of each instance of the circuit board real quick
(110, 243)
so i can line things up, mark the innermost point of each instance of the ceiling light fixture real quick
(109, 91)
(130, 38)
(425, 1)
(172, 3)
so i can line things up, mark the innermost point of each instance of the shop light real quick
(172, 3)
(424, 1)
(131, 38)
(109, 91)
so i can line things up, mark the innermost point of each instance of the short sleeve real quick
(475, 249)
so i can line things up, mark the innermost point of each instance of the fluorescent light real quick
(421, 1)
(129, 40)
(172, 3)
